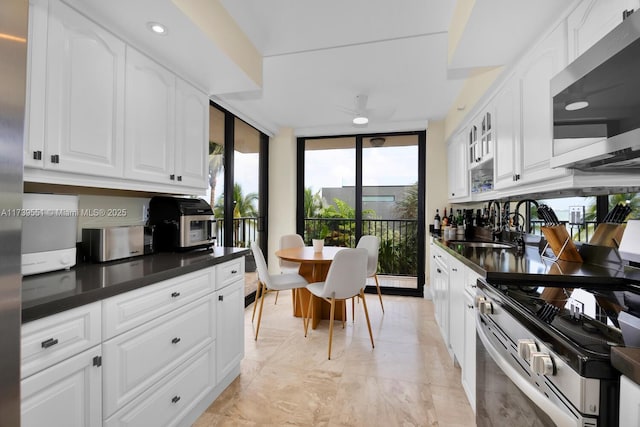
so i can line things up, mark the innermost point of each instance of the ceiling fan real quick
(361, 115)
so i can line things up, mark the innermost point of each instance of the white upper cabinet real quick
(507, 162)
(458, 164)
(101, 114)
(536, 71)
(167, 126)
(83, 106)
(592, 20)
(192, 136)
(150, 120)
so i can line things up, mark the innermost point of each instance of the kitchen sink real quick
(476, 244)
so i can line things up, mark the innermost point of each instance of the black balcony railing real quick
(398, 254)
(244, 231)
(398, 238)
(579, 233)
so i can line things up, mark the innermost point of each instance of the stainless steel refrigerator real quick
(13, 72)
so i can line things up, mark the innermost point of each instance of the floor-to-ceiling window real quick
(238, 182)
(349, 186)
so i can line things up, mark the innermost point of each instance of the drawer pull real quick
(175, 294)
(470, 306)
(220, 297)
(176, 340)
(49, 343)
(234, 271)
(175, 399)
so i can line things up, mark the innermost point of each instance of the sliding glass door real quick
(349, 186)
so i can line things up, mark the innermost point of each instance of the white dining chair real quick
(346, 278)
(274, 282)
(372, 245)
(289, 241)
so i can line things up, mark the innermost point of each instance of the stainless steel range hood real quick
(620, 152)
(605, 133)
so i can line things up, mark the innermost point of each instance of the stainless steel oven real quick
(529, 367)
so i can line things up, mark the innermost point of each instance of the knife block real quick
(560, 242)
(609, 235)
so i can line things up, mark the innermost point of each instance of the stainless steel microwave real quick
(596, 104)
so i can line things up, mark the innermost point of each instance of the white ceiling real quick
(318, 56)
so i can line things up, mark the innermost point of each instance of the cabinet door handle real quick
(37, 155)
(474, 286)
(172, 177)
(234, 271)
(55, 158)
(175, 399)
(49, 343)
(176, 340)
(179, 177)
(175, 294)
(438, 270)
(454, 269)
(453, 194)
(220, 297)
(470, 306)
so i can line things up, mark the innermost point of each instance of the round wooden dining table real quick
(314, 267)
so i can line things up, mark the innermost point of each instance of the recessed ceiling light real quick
(360, 120)
(577, 104)
(157, 28)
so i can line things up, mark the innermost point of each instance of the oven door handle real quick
(561, 418)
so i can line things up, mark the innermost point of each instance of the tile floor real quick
(409, 378)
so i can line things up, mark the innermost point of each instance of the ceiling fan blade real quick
(383, 113)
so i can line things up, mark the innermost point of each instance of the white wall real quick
(127, 211)
(282, 191)
(436, 185)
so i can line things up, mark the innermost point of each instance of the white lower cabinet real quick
(457, 280)
(135, 360)
(67, 394)
(440, 290)
(629, 402)
(469, 357)
(173, 347)
(453, 286)
(168, 402)
(230, 327)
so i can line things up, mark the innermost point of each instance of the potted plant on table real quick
(318, 236)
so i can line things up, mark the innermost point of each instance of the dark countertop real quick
(49, 293)
(501, 265)
(627, 361)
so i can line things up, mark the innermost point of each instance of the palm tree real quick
(244, 206)
(216, 166)
(407, 208)
(312, 203)
(630, 199)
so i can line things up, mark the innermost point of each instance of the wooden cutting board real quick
(608, 235)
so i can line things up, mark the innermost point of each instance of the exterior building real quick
(380, 199)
